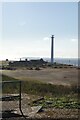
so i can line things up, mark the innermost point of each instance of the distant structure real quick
(26, 63)
(52, 49)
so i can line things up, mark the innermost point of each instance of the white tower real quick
(52, 49)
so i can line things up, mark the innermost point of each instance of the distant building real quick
(27, 63)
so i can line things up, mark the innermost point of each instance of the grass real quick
(7, 78)
(59, 102)
(9, 87)
(38, 88)
(56, 96)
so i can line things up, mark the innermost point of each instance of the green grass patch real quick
(56, 96)
(9, 87)
(69, 102)
(7, 78)
(38, 88)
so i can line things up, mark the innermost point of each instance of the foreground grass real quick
(59, 102)
(56, 96)
(37, 88)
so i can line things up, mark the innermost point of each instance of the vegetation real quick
(9, 87)
(56, 96)
(35, 87)
(68, 101)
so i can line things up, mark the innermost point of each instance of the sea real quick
(68, 61)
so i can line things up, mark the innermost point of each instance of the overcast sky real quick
(27, 29)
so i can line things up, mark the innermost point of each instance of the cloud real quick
(74, 40)
(46, 38)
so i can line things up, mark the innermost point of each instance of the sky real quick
(27, 28)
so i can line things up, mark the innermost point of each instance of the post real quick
(20, 100)
(52, 52)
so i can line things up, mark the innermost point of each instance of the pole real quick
(20, 100)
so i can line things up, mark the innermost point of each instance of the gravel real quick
(45, 114)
